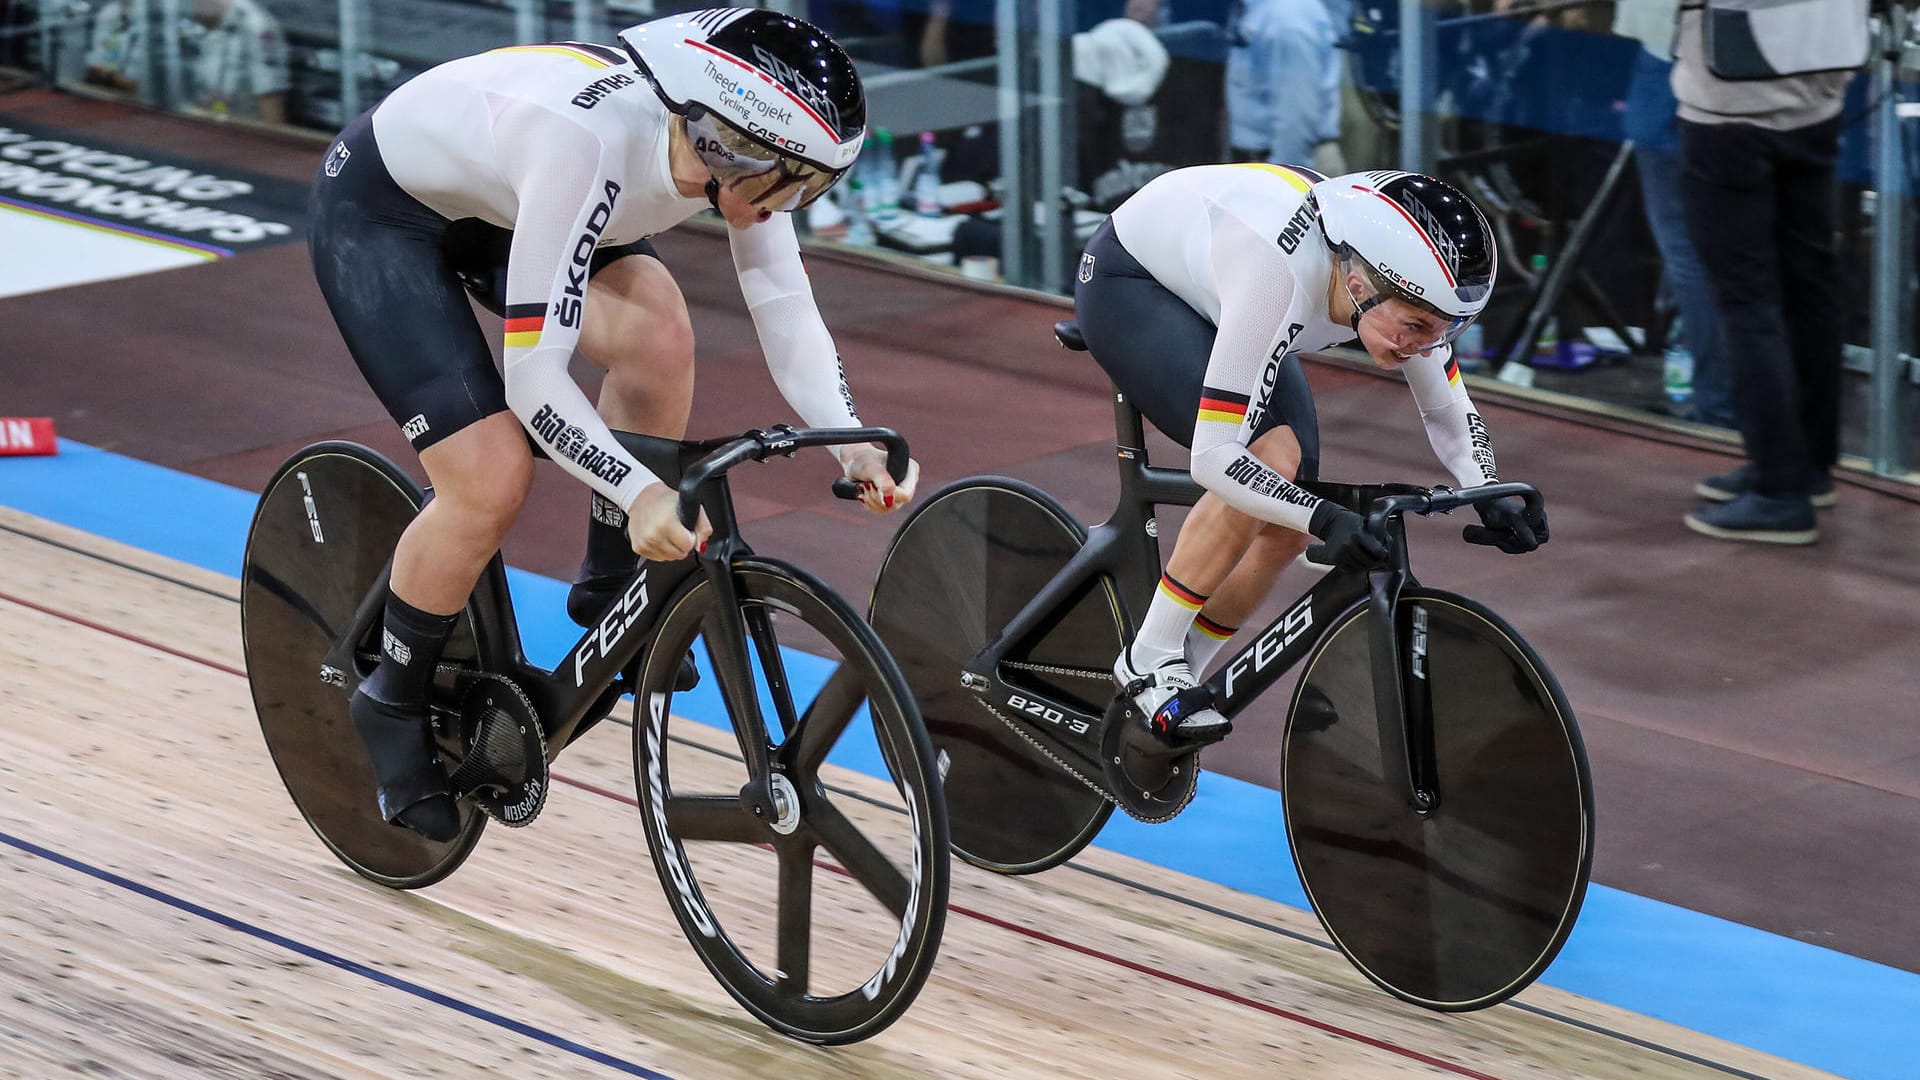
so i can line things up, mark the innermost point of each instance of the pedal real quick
(504, 765)
(1149, 779)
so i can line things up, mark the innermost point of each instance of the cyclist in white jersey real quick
(1196, 297)
(531, 177)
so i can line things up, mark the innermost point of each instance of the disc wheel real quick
(819, 908)
(324, 529)
(1462, 906)
(960, 569)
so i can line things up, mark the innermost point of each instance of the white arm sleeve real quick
(1258, 323)
(800, 353)
(565, 182)
(1458, 435)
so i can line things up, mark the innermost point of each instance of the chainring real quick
(1147, 778)
(504, 765)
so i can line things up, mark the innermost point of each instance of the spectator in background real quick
(1120, 68)
(1762, 202)
(946, 35)
(1283, 83)
(1649, 124)
(1122, 57)
(233, 51)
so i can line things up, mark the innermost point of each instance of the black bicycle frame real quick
(568, 695)
(1125, 549)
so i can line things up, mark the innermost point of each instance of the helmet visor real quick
(764, 177)
(1427, 329)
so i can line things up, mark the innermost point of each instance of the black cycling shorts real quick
(1155, 349)
(397, 276)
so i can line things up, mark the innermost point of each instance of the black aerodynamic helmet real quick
(764, 94)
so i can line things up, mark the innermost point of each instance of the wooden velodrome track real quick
(170, 915)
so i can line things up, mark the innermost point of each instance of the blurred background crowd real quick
(1560, 117)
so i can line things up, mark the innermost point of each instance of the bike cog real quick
(1148, 779)
(503, 768)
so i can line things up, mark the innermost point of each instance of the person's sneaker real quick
(1728, 486)
(1175, 709)
(406, 765)
(1766, 519)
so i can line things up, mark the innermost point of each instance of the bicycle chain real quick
(1049, 669)
(1097, 788)
(1021, 731)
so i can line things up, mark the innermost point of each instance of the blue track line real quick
(1784, 997)
(350, 966)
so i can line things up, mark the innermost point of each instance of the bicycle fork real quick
(1402, 699)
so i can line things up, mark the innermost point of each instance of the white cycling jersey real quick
(566, 145)
(1239, 245)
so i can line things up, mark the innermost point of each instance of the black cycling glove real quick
(1508, 526)
(1348, 543)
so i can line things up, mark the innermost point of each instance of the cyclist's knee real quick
(1280, 450)
(636, 315)
(484, 471)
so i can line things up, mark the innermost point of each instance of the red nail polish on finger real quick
(889, 501)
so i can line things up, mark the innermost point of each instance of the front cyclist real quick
(532, 177)
(1196, 297)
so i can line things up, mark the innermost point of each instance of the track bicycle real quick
(1434, 786)
(826, 952)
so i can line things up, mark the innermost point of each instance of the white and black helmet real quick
(771, 102)
(1416, 238)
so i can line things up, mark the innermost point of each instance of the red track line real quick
(1131, 965)
(123, 635)
(980, 916)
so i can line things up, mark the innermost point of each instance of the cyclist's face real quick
(1395, 331)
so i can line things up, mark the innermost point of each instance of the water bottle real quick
(1549, 341)
(926, 179)
(886, 175)
(1679, 374)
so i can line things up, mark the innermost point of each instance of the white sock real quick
(1205, 639)
(1163, 633)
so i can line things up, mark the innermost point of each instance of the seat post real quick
(1127, 429)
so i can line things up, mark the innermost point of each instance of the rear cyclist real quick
(1196, 297)
(531, 177)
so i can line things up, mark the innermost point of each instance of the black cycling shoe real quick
(413, 786)
(588, 600)
(591, 594)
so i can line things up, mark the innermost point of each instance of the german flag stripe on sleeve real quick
(1453, 371)
(1221, 405)
(524, 322)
